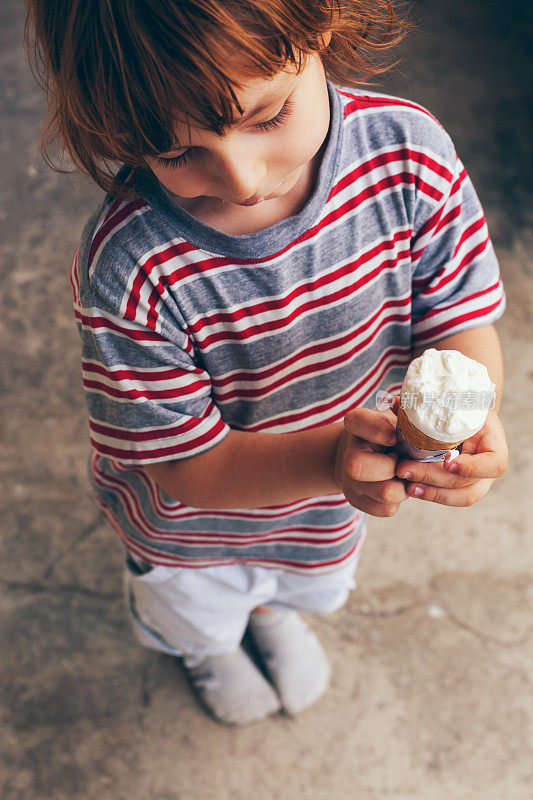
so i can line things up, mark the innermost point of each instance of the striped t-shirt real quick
(188, 332)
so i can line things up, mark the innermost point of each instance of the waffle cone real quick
(421, 440)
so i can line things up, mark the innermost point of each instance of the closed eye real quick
(275, 122)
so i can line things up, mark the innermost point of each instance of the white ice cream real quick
(447, 395)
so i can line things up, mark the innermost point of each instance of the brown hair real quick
(117, 72)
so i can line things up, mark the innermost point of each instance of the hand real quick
(466, 479)
(363, 470)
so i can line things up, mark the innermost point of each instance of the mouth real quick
(253, 201)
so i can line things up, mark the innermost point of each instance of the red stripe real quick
(310, 369)
(439, 309)
(134, 512)
(308, 352)
(466, 261)
(469, 231)
(339, 401)
(111, 221)
(156, 260)
(361, 102)
(135, 394)
(98, 322)
(317, 302)
(390, 157)
(186, 426)
(138, 374)
(436, 222)
(456, 321)
(160, 452)
(452, 215)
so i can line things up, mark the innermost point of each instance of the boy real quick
(274, 251)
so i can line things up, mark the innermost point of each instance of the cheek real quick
(304, 139)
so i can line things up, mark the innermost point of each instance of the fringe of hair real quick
(116, 73)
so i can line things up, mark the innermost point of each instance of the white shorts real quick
(205, 611)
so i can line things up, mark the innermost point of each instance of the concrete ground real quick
(431, 695)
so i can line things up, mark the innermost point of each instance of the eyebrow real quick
(245, 117)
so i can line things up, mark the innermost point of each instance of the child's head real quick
(132, 80)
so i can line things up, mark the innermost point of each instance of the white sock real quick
(232, 688)
(293, 657)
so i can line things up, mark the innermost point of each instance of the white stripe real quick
(162, 401)
(313, 292)
(157, 272)
(466, 247)
(144, 429)
(165, 269)
(142, 384)
(260, 387)
(237, 539)
(183, 438)
(137, 213)
(447, 314)
(359, 113)
(312, 413)
(431, 237)
(393, 168)
(119, 322)
(322, 539)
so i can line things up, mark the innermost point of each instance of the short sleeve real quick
(148, 398)
(456, 282)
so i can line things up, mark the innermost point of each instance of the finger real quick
(433, 473)
(370, 506)
(394, 403)
(478, 465)
(490, 439)
(360, 465)
(463, 497)
(392, 491)
(377, 427)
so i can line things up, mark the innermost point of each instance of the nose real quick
(242, 171)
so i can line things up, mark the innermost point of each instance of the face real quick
(264, 155)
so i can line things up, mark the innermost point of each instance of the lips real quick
(253, 202)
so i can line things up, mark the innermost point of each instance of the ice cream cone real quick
(421, 440)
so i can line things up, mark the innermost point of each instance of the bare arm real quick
(251, 470)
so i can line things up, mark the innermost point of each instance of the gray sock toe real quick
(232, 688)
(293, 658)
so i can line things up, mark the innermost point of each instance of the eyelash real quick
(270, 124)
(278, 119)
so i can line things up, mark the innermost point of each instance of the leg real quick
(188, 613)
(290, 651)
(292, 656)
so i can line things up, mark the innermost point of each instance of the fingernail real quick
(453, 467)
(418, 491)
(408, 476)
